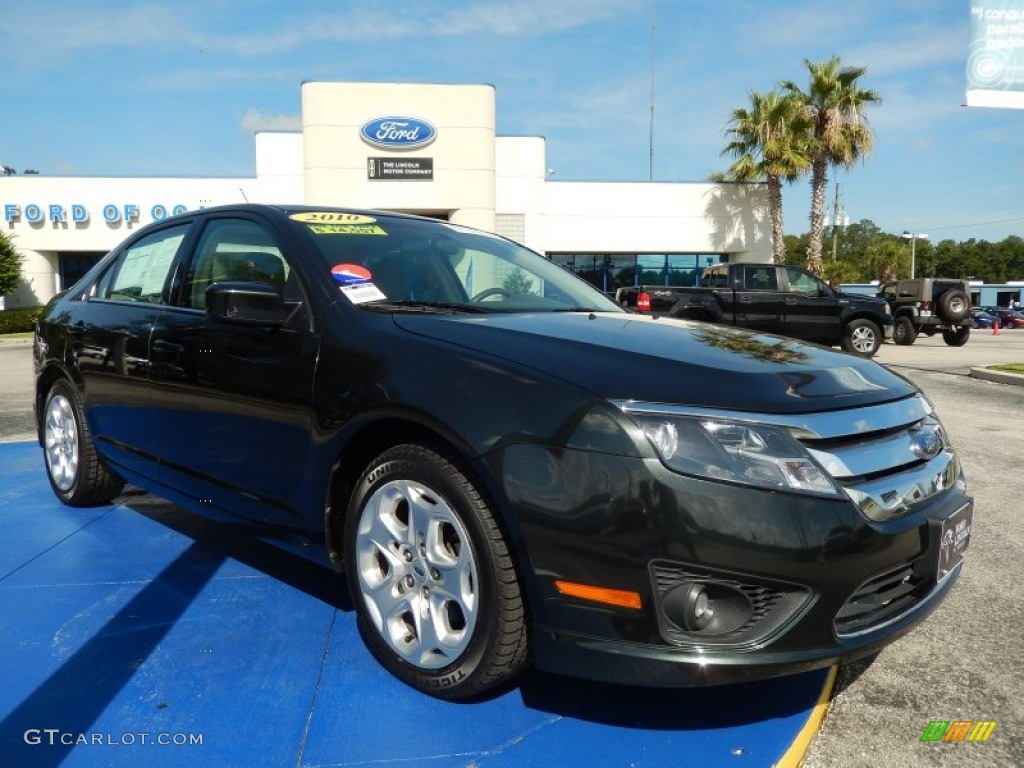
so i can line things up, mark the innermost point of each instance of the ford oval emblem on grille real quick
(398, 132)
(926, 442)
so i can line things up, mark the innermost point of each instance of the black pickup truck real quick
(783, 300)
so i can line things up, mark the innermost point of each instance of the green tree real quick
(769, 142)
(518, 282)
(840, 136)
(887, 259)
(10, 266)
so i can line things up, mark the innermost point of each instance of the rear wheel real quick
(956, 337)
(436, 591)
(76, 473)
(903, 331)
(862, 337)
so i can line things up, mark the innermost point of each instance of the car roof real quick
(286, 209)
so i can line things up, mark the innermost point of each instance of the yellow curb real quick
(795, 754)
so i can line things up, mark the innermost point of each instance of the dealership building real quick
(426, 149)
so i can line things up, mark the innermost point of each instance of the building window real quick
(608, 272)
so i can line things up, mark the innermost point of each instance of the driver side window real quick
(802, 282)
(241, 250)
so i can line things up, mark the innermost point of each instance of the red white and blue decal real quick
(356, 283)
(350, 274)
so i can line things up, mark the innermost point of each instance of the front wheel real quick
(436, 591)
(862, 337)
(76, 472)
(956, 337)
(903, 332)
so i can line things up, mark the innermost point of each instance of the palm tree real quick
(836, 103)
(769, 144)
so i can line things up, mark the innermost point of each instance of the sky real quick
(177, 89)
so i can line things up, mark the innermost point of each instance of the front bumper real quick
(798, 560)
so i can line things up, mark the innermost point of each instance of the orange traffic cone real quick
(995, 328)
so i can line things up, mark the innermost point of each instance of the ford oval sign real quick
(398, 132)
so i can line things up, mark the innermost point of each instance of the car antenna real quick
(242, 192)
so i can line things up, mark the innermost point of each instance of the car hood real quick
(622, 356)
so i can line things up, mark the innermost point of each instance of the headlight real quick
(761, 455)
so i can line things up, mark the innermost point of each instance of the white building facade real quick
(425, 149)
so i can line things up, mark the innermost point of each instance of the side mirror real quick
(245, 302)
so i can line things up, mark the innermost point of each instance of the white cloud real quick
(256, 120)
(422, 20)
(32, 32)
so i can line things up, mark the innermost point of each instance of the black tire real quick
(956, 337)
(76, 473)
(862, 337)
(954, 305)
(903, 331)
(443, 613)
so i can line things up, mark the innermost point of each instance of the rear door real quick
(234, 397)
(109, 346)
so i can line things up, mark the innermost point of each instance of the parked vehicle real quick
(1008, 318)
(982, 319)
(929, 305)
(788, 301)
(504, 464)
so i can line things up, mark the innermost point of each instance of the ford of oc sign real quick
(398, 132)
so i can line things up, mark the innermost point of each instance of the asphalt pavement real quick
(966, 662)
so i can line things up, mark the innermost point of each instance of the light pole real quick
(839, 219)
(913, 237)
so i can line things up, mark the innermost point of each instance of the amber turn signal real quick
(620, 597)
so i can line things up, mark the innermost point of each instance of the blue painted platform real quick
(134, 629)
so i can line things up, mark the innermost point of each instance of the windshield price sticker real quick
(346, 229)
(361, 293)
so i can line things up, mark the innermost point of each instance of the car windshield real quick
(381, 261)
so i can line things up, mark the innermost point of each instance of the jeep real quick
(928, 305)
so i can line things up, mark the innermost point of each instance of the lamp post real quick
(913, 237)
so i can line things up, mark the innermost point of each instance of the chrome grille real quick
(903, 460)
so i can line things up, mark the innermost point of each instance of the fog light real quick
(697, 609)
(706, 608)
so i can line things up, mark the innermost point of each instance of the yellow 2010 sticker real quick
(336, 217)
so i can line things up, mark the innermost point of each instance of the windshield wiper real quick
(415, 305)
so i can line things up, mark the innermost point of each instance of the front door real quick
(235, 399)
(812, 311)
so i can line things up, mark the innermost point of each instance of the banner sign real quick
(995, 59)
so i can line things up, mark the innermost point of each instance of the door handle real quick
(746, 299)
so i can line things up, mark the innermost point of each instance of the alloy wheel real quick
(417, 573)
(61, 442)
